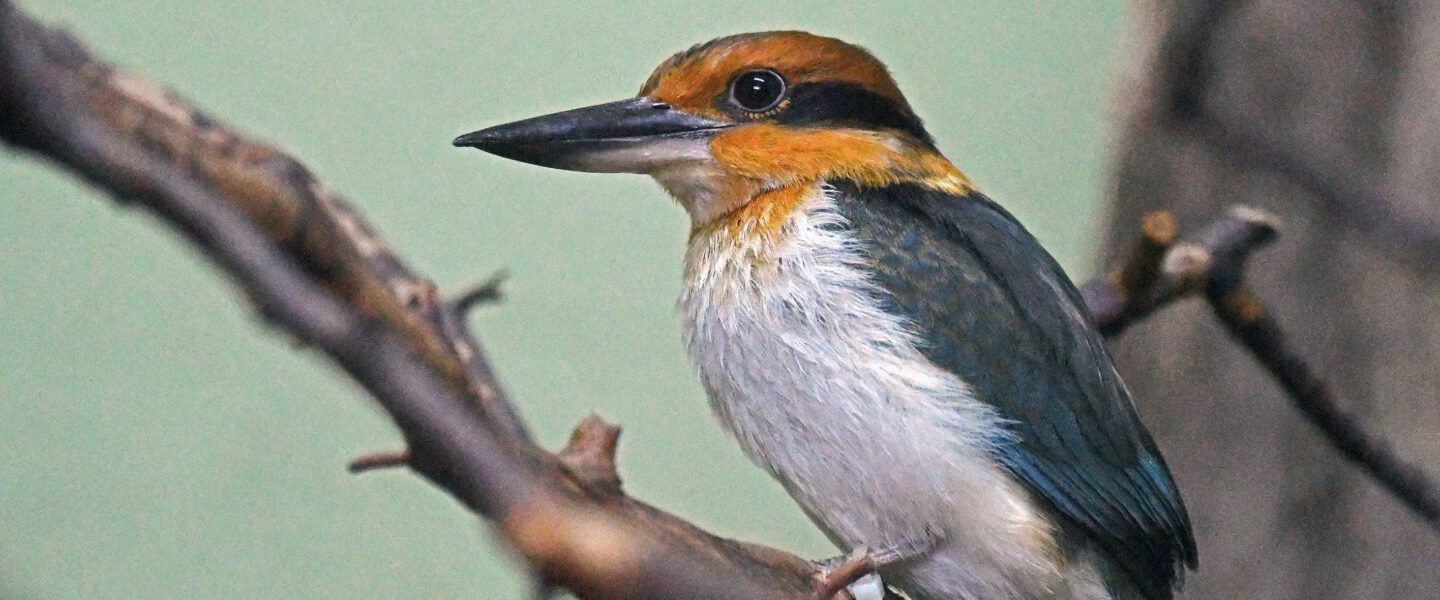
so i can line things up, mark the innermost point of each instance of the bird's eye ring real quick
(758, 90)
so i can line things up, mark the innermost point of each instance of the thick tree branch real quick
(314, 269)
(1160, 271)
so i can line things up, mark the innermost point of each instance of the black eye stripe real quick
(849, 104)
(758, 90)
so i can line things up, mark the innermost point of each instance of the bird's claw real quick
(905, 550)
(859, 569)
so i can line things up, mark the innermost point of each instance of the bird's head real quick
(733, 118)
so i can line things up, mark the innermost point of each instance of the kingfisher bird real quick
(889, 343)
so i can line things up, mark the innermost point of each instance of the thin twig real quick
(1130, 293)
(1157, 234)
(1343, 188)
(1253, 327)
(1213, 266)
(486, 293)
(1161, 271)
(380, 460)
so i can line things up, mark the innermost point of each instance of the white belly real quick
(828, 393)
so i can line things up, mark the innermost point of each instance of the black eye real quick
(757, 91)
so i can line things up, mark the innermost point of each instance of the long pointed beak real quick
(629, 136)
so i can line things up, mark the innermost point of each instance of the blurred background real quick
(158, 443)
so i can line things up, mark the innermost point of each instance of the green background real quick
(158, 443)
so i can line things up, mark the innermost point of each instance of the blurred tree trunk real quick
(1326, 113)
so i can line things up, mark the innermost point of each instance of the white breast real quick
(828, 392)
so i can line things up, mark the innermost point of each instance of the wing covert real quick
(997, 310)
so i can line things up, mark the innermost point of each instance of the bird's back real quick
(995, 309)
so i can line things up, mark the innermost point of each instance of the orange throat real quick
(762, 216)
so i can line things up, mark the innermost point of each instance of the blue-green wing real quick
(994, 308)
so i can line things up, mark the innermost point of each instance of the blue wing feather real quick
(993, 307)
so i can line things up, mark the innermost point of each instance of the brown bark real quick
(1325, 114)
(314, 269)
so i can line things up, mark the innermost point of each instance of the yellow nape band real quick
(781, 156)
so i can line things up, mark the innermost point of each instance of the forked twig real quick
(1160, 271)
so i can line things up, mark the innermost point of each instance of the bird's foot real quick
(859, 570)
